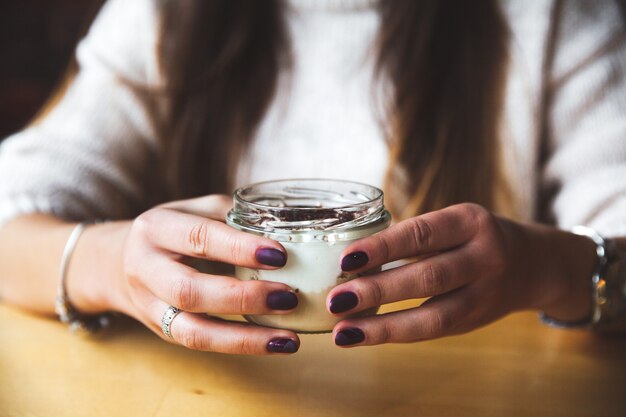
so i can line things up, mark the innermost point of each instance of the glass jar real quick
(314, 220)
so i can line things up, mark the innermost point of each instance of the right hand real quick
(156, 276)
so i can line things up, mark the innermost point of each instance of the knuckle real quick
(192, 339)
(145, 221)
(237, 250)
(493, 239)
(420, 232)
(217, 201)
(132, 273)
(130, 268)
(245, 345)
(481, 216)
(243, 297)
(433, 279)
(382, 246)
(198, 238)
(436, 324)
(473, 208)
(385, 333)
(133, 280)
(184, 294)
(377, 291)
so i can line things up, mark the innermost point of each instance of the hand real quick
(474, 266)
(156, 275)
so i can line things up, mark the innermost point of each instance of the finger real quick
(436, 231)
(215, 206)
(185, 288)
(200, 332)
(441, 316)
(426, 278)
(196, 236)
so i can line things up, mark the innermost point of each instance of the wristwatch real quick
(610, 306)
(608, 288)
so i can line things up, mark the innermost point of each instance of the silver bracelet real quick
(78, 323)
(608, 286)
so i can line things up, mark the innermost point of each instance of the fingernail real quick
(282, 346)
(282, 300)
(354, 260)
(343, 302)
(350, 336)
(270, 257)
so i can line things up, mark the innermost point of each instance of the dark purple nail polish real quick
(343, 302)
(350, 336)
(282, 300)
(353, 261)
(271, 257)
(282, 346)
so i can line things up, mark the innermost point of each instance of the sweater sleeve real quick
(585, 169)
(95, 154)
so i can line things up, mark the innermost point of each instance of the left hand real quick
(475, 267)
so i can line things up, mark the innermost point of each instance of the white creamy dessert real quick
(315, 220)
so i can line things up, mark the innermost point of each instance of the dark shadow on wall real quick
(37, 40)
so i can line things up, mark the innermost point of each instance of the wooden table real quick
(516, 367)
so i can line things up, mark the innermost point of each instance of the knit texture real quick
(564, 130)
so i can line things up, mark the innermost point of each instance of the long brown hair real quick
(446, 60)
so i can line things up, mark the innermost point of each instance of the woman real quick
(494, 128)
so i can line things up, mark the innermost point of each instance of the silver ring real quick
(166, 320)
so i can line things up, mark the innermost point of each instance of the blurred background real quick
(37, 40)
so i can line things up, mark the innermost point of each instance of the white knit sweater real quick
(90, 157)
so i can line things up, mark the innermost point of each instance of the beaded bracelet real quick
(78, 323)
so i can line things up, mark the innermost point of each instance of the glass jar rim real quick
(305, 205)
(241, 190)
